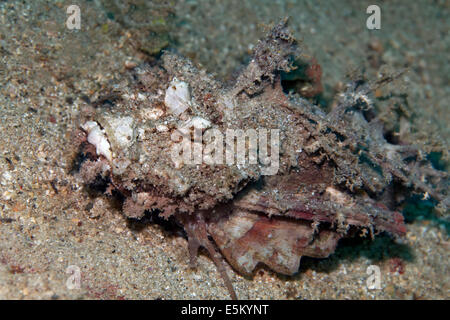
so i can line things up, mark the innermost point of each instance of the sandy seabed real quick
(48, 222)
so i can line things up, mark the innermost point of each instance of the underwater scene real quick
(224, 149)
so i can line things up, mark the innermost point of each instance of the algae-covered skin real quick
(323, 177)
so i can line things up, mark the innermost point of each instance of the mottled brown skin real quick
(321, 192)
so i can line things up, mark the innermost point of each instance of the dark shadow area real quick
(416, 208)
(382, 248)
(170, 227)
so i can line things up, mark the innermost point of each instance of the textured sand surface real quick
(48, 222)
